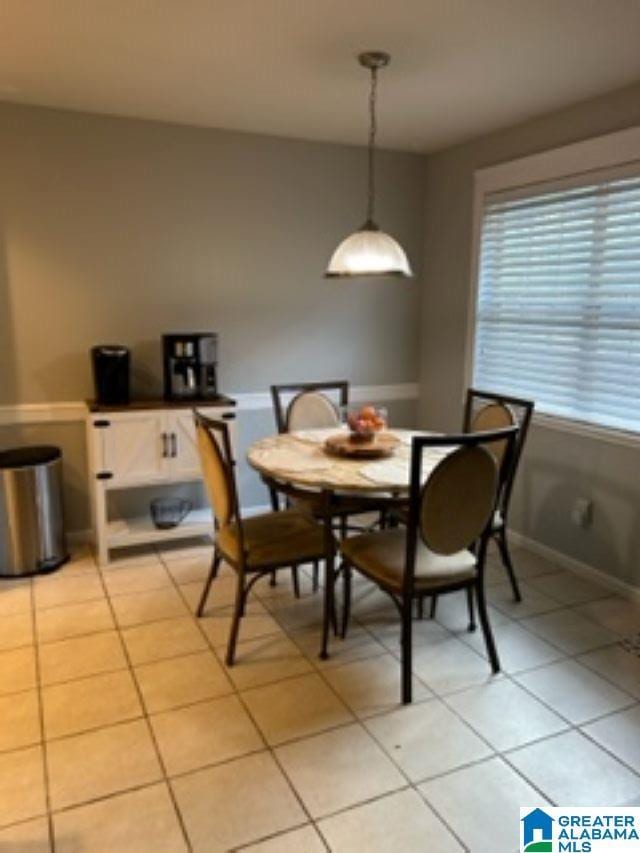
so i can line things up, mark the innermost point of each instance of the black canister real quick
(111, 363)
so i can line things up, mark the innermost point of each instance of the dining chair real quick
(309, 405)
(443, 547)
(487, 410)
(255, 546)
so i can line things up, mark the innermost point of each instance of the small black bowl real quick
(169, 512)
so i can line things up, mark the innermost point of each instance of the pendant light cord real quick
(373, 127)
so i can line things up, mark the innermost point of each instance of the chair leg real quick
(343, 527)
(275, 500)
(316, 576)
(420, 607)
(470, 608)
(486, 629)
(296, 581)
(407, 651)
(501, 539)
(235, 625)
(213, 572)
(329, 611)
(434, 604)
(273, 580)
(346, 604)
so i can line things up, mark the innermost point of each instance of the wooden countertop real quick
(160, 403)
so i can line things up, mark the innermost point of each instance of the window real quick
(558, 302)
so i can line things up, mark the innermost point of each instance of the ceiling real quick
(460, 68)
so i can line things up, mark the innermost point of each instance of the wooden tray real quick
(381, 446)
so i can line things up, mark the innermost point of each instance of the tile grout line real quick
(268, 748)
(319, 671)
(44, 746)
(354, 721)
(497, 753)
(411, 784)
(500, 753)
(575, 727)
(149, 727)
(359, 721)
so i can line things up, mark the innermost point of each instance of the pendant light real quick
(370, 251)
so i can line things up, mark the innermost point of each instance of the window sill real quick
(609, 435)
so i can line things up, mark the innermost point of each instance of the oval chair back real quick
(311, 410)
(311, 406)
(458, 499)
(452, 511)
(487, 410)
(494, 416)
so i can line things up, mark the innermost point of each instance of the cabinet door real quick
(134, 447)
(185, 461)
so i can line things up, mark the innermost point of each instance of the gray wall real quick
(118, 230)
(558, 467)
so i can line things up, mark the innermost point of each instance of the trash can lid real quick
(26, 457)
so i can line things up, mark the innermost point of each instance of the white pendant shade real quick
(368, 252)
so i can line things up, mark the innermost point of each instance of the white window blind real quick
(558, 311)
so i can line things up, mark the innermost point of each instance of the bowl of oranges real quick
(365, 423)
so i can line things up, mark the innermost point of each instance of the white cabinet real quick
(142, 445)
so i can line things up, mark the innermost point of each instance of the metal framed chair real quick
(256, 546)
(487, 410)
(443, 547)
(308, 405)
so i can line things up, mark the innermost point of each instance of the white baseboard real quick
(617, 586)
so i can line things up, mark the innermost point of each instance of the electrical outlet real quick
(582, 512)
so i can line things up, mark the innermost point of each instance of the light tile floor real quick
(124, 729)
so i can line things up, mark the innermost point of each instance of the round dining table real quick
(299, 465)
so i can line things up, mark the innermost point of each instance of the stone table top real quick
(299, 459)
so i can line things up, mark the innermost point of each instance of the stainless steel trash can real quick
(31, 523)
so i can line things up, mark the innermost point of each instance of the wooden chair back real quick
(216, 459)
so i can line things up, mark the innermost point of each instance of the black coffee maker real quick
(190, 361)
(111, 363)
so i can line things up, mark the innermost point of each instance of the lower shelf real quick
(139, 531)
